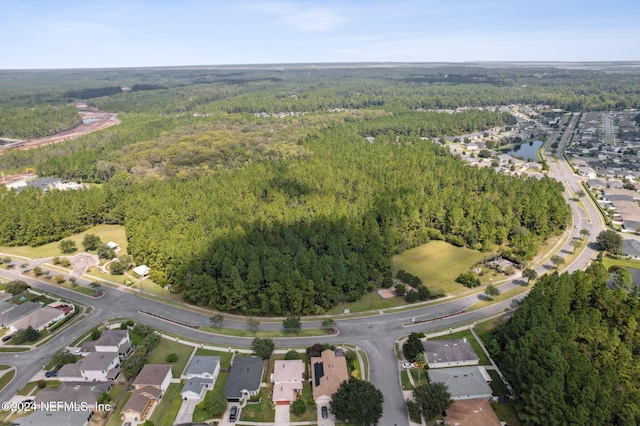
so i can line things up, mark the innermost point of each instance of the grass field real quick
(165, 413)
(404, 378)
(106, 233)
(114, 420)
(627, 263)
(368, 302)
(6, 377)
(497, 385)
(263, 333)
(262, 412)
(507, 413)
(438, 264)
(199, 415)
(311, 413)
(166, 347)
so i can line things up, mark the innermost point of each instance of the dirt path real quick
(96, 121)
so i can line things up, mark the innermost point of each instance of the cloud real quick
(311, 19)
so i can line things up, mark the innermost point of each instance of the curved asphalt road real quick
(375, 334)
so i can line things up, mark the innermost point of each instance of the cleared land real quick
(438, 264)
(115, 233)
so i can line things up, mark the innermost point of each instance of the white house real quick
(141, 270)
(287, 381)
(38, 319)
(150, 384)
(200, 376)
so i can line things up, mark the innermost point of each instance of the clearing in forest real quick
(438, 264)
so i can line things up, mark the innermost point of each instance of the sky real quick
(42, 34)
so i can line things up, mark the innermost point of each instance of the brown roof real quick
(471, 412)
(141, 399)
(152, 375)
(328, 372)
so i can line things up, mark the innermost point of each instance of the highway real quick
(376, 334)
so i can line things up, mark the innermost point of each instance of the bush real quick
(467, 279)
(41, 384)
(172, 357)
(298, 407)
(292, 355)
(411, 297)
(67, 246)
(60, 279)
(65, 263)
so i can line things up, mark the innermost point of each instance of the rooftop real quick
(328, 372)
(452, 350)
(471, 412)
(201, 364)
(462, 382)
(152, 375)
(245, 374)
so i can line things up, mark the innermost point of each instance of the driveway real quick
(330, 421)
(282, 415)
(185, 414)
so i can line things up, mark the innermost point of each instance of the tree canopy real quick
(357, 402)
(570, 351)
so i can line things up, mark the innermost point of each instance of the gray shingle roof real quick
(452, 350)
(18, 312)
(54, 418)
(201, 364)
(245, 374)
(195, 385)
(111, 338)
(461, 382)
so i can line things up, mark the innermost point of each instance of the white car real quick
(407, 365)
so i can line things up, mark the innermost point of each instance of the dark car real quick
(233, 414)
(6, 338)
(324, 411)
(51, 373)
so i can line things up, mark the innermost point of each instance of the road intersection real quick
(375, 334)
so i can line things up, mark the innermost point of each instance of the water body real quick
(90, 120)
(527, 150)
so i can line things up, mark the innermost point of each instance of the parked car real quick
(6, 338)
(407, 365)
(233, 414)
(324, 411)
(51, 373)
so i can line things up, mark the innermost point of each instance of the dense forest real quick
(30, 123)
(287, 189)
(572, 350)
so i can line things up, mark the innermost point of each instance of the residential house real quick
(149, 386)
(38, 319)
(328, 371)
(471, 412)
(17, 312)
(200, 376)
(463, 382)
(54, 418)
(141, 271)
(95, 367)
(449, 353)
(74, 392)
(287, 381)
(244, 378)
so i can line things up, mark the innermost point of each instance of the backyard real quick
(166, 347)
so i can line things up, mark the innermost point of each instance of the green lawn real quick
(165, 413)
(627, 263)
(507, 413)
(474, 344)
(115, 233)
(199, 415)
(166, 347)
(6, 377)
(114, 420)
(225, 357)
(33, 386)
(262, 333)
(368, 302)
(404, 378)
(262, 412)
(497, 385)
(438, 264)
(423, 375)
(311, 413)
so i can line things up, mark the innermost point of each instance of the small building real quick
(449, 353)
(463, 382)
(113, 246)
(141, 271)
(98, 366)
(287, 381)
(244, 378)
(328, 371)
(74, 392)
